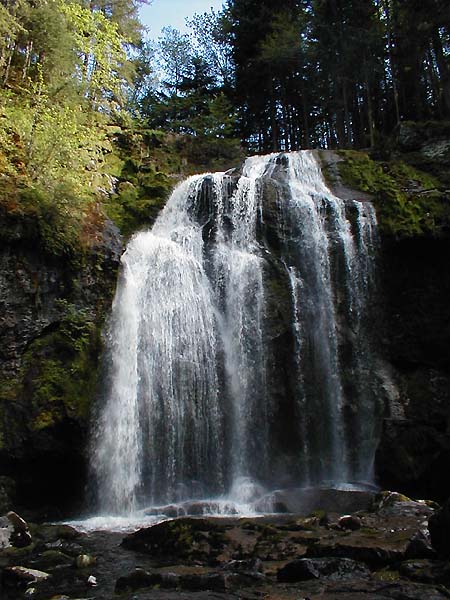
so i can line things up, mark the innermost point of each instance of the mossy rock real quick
(190, 539)
(409, 202)
(60, 370)
(387, 575)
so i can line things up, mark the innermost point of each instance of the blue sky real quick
(161, 13)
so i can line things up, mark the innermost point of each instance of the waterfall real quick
(191, 409)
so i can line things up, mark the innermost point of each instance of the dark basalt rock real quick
(191, 582)
(439, 527)
(298, 570)
(330, 568)
(50, 307)
(7, 494)
(252, 566)
(286, 556)
(137, 580)
(414, 450)
(14, 531)
(181, 538)
(420, 546)
(190, 508)
(351, 522)
(303, 501)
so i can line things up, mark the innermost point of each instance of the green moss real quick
(408, 201)
(183, 535)
(151, 163)
(147, 159)
(8, 390)
(387, 575)
(44, 419)
(318, 514)
(60, 370)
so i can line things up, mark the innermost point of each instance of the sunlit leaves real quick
(100, 49)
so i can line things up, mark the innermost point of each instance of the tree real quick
(100, 50)
(175, 54)
(211, 43)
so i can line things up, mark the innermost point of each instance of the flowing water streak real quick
(309, 208)
(363, 296)
(239, 268)
(161, 425)
(331, 266)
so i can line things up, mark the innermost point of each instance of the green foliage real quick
(57, 220)
(409, 202)
(100, 50)
(52, 143)
(212, 44)
(63, 75)
(328, 74)
(175, 55)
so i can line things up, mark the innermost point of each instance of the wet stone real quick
(331, 568)
(351, 522)
(22, 577)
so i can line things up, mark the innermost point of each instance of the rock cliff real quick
(51, 312)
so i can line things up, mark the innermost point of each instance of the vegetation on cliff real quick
(409, 202)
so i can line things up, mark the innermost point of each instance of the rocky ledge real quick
(385, 551)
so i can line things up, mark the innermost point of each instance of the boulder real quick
(14, 531)
(22, 577)
(187, 538)
(252, 566)
(298, 570)
(426, 571)
(51, 559)
(172, 511)
(392, 533)
(137, 580)
(351, 522)
(330, 568)
(303, 501)
(190, 582)
(420, 546)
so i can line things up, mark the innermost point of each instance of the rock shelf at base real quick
(381, 552)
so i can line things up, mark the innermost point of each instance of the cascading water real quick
(190, 408)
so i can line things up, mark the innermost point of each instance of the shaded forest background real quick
(94, 117)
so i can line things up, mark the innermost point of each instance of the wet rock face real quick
(32, 283)
(414, 450)
(414, 322)
(51, 311)
(439, 526)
